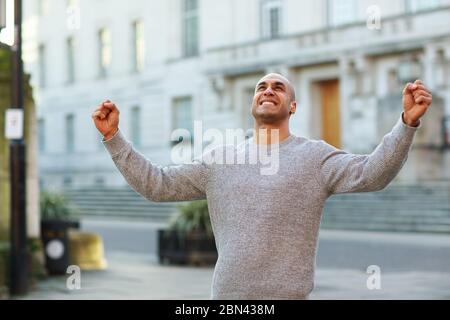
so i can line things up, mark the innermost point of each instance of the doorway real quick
(330, 112)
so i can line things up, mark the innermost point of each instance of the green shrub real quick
(192, 217)
(36, 268)
(57, 206)
(36, 261)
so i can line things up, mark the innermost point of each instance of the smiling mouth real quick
(270, 102)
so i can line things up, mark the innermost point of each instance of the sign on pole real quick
(2, 14)
(14, 124)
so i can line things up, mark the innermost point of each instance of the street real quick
(337, 249)
(413, 266)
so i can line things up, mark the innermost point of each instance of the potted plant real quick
(57, 217)
(189, 238)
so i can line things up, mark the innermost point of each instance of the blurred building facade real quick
(168, 63)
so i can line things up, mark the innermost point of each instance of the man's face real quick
(273, 100)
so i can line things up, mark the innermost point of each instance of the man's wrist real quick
(108, 136)
(410, 123)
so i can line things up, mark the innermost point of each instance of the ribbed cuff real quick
(116, 144)
(401, 129)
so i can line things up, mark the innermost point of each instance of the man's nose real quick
(268, 91)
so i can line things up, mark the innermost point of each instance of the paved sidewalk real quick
(132, 276)
(337, 284)
(413, 266)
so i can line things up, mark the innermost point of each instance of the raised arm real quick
(342, 172)
(156, 183)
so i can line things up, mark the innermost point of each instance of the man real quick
(266, 226)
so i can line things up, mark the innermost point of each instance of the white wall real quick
(168, 76)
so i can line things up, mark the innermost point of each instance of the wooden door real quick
(331, 116)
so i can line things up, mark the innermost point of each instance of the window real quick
(105, 51)
(271, 18)
(67, 181)
(182, 115)
(42, 184)
(42, 66)
(138, 46)
(419, 5)
(70, 133)
(441, 69)
(190, 28)
(393, 81)
(341, 12)
(70, 60)
(41, 135)
(446, 131)
(249, 121)
(409, 70)
(135, 126)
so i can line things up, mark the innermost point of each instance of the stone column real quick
(358, 107)
(31, 138)
(346, 90)
(429, 64)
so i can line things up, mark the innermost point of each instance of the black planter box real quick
(54, 234)
(186, 248)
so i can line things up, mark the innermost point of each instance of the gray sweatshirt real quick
(266, 226)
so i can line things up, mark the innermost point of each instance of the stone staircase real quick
(119, 203)
(408, 208)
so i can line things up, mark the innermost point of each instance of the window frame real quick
(42, 63)
(135, 125)
(138, 45)
(70, 132)
(176, 122)
(105, 49)
(267, 28)
(71, 65)
(191, 46)
(42, 146)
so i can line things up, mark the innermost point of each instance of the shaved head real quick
(282, 79)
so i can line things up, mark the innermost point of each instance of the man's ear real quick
(293, 107)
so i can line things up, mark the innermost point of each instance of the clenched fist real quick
(416, 101)
(106, 119)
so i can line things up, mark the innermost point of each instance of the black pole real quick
(19, 256)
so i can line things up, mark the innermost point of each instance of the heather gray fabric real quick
(266, 226)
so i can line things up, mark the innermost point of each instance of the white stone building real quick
(167, 63)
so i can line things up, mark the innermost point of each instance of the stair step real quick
(389, 227)
(408, 208)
